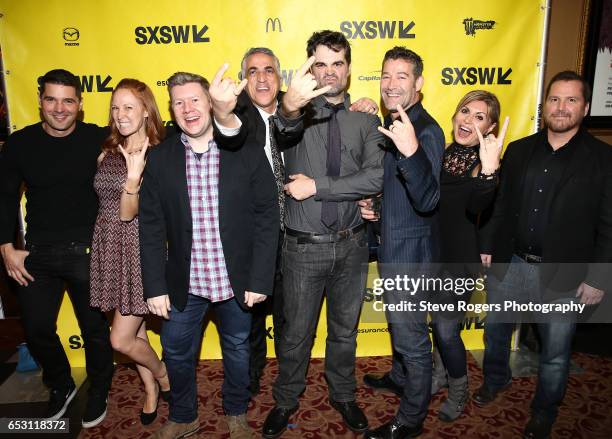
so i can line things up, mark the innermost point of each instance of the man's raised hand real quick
(224, 96)
(402, 133)
(302, 89)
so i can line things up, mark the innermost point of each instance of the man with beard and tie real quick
(333, 158)
(550, 240)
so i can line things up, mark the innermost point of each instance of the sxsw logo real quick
(272, 23)
(71, 35)
(187, 33)
(286, 76)
(96, 83)
(376, 29)
(476, 75)
(471, 25)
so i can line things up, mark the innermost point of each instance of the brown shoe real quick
(176, 430)
(238, 427)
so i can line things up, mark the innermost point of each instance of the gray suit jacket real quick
(361, 169)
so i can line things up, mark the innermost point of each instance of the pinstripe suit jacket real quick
(411, 190)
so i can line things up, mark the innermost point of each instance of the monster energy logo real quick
(471, 25)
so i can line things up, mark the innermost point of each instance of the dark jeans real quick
(181, 337)
(412, 361)
(522, 284)
(273, 304)
(446, 329)
(447, 339)
(308, 270)
(53, 267)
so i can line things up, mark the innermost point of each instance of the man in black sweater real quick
(56, 159)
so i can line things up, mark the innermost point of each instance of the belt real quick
(531, 259)
(317, 238)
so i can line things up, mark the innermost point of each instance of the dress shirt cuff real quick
(229, 132)
(323, 188)
(288, 122)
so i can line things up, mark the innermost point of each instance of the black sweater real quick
(58, 174)
(462, 199)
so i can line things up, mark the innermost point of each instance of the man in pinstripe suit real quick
(408, 234)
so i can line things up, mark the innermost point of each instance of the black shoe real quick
(383, 383)
(394, 430)
(276, 422)
(537, 428)
(165, 395)
(59, 399)
(95, 411)
(352, 415)
(148, 418)
(484, 395)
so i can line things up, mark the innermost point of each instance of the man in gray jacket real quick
(336, 159)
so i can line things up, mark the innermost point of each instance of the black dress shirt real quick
(544, 173)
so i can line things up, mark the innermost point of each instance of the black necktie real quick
(279, 171)
(329, 209)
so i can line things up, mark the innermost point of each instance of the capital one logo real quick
(272, 23)
(71, 35)
(471, 25)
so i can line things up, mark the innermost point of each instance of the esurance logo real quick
(71, 35)
(476, 75)
(376, 29)
(183, 34)
(471, 25)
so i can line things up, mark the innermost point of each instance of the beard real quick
(561, 125)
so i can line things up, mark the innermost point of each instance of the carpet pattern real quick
(585, 413)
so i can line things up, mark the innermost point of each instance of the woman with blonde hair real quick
(468, 182)
(116, 282)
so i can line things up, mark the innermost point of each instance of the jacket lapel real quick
(177, 163)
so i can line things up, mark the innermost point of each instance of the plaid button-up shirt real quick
(208, 276)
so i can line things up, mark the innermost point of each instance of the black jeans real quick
(339, 268)
(259, 333)
(53, 267)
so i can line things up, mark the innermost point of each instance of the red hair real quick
(154, 127)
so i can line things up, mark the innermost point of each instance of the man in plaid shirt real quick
(208, 234)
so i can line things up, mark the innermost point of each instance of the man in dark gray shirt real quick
(335, 160)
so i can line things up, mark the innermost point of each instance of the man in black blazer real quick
(208, 233)
(550, 240)
(254, 107)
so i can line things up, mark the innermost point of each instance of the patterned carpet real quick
(586, 412)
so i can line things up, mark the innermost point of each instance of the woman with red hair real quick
(116, 282)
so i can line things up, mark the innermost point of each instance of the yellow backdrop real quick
(478, 44)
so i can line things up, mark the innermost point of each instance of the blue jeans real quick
(181, 336)
(308, 270)
(522, 284)
(412, 360)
